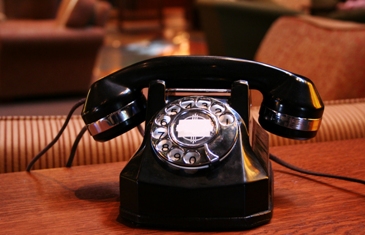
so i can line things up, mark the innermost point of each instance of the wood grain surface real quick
(84, 199)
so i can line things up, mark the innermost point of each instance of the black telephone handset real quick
(195, 168)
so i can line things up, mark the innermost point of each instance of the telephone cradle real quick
(195, 168)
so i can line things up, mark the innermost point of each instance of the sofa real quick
(43, 57)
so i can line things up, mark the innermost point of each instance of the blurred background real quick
(52, 50)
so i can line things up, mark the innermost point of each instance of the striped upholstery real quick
(21, 138)
(342, 119)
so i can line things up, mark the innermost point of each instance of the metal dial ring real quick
(194, 132)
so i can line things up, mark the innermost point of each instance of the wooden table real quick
(84, 199)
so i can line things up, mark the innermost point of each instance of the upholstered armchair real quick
(51, 57)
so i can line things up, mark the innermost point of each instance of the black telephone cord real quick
(308, 172)
(74, 146)
(43, 151)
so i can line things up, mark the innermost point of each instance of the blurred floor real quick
(122, 48)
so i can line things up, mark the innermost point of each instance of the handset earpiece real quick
(112, 109)
(292, 110)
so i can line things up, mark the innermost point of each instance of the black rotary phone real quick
(195, 168)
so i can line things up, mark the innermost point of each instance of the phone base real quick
(191, 223)
(218, 200)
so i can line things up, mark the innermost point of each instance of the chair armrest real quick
(22, 137)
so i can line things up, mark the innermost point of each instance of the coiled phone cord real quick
(141, 131)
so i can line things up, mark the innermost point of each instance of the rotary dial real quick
(194, 132)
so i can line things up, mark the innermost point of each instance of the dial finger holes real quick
(226, 119)
(163, 120)
(159, 133)
(217, 109)
(187, 104)
(173, 110)
(164, 146)
(193, 132)
(203, 103)
(191, 158)
(175, 154)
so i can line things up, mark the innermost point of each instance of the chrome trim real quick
(197, 90)
(212, 157)
(114, 119)
(290, 122)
